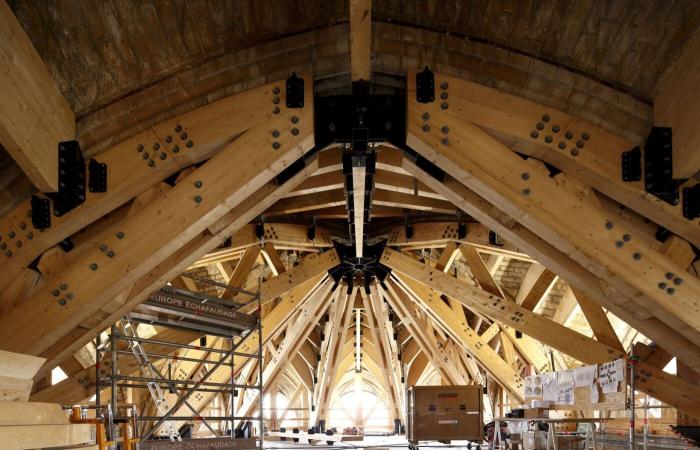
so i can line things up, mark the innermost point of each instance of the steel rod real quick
(261, 432)
(143, 386)
(113, 340)
(216, 283)
(191, 347)
(201, 418)
(98, 363)
(186, 382)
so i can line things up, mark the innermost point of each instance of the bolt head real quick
(198, 199)
(93, 266)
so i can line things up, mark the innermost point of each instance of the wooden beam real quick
(463, 335)
(148, 238)
(447, 257)
(564, 339)
(553, 258)
(556, 209)
(539, 290)
(241, 272)
(272, 257)
(590, 154)
(206, 131)
(34, 116)
(480, 271)
(668, 389)
(597, 319)
(360, 30)
(677, 105)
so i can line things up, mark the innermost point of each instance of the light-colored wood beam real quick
(597, 319)
(241, 272)
(360, 40)
(34, 116)
(272, 257)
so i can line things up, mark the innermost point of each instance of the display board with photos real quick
(596, 387)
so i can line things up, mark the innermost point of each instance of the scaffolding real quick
(177, 308)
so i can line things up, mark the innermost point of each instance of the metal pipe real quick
(233, 392)
(98, 363)
(632, 364)
(260, 365)
(185, 418)
(174, 358)
(191, 390)
(164, 384)
(113, 403)
(216, 283)
(186, 382)
(191, 347)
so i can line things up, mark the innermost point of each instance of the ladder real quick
(148, 371)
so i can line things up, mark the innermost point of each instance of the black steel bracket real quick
(97, 176)
(691, 202)
(295, 91)
(71, 178)
(41, 213)
(658, 166)
(632, 165)
(425, 86)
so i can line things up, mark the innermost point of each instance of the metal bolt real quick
(55, 293)
(11, 234)
(444, 85)
(189, 144)
(444, 105)
(426, 127)
(275, 100)
(275, 133)
(637, 256)
(62, 302)
(295, 131)
(276, 110)
(103, 247)
(534, 134)
(562, 145)
(556, 128)
(445, 141)
(678, 281)
(3, 246)
(609, 225)
(70, 296)
(30, 235)
(425, 116)
(198, 184)
(151, 163)
(178, 128)
(574, 152)
(662, 285)
(619, 244)
(276, 145)
(93, 267)
(197, 199)
(145, 155)
(444, 95)
(18, 244)
(579, 144)
(163, 155)
(168, 139)
(445, 129)
(63, 286)
(140, 148)
(526, 191)
(525, 176)
(8, 253)
(669, 275)
(548, 139)
(120, 235)
(276, 90)
(295, 119)
(110, 254)
(545, 118)
(176, 149)
(387, 125)
(670, 291)
(156, 146)
(22, 226)
(539, 126)
(585, 136)
(626, 237)
(183, 136)
(568, 135)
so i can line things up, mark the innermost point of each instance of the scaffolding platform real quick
(179, 308)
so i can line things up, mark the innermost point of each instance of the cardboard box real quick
(536, 413)
(444, 413)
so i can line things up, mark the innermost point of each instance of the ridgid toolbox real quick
(444, 413)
